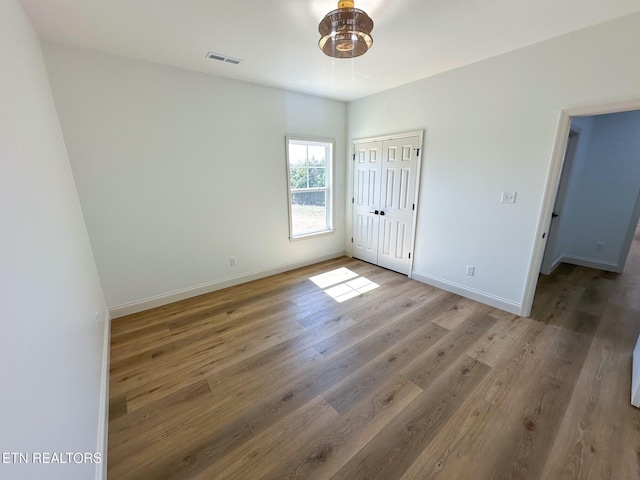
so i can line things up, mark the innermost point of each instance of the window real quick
(309, 175)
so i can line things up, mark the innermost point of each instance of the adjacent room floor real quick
(345, 370)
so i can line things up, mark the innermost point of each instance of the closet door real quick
(397, 203)
(384, 185)
(366, 200)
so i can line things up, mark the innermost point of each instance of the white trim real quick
(602, 108)
(390, 137)
(591, 263)
(551, 188)
(416, 199)
(635, 376)
(473, 294)
(103, 413)
(544, 216)
(312, 235)
(164, 299)
(631, 232)
(553, 265)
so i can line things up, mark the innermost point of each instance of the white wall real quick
(604, 190)
(490, 127)
(177, 171)
(51, 348)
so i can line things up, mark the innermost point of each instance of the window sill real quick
(311, 235)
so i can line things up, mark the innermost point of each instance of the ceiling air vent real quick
(223, 58)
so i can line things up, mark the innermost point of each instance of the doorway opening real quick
(592, 202)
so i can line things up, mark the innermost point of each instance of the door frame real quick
(350, 179)
(553, 183)
(549, 264)
(631, 231)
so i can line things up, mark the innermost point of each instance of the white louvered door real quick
(384, 184)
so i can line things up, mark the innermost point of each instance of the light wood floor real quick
(275, 379)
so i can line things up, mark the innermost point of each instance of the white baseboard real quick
(635, 376)
(477, 295)
(103, 413)
(555, 263)
(164, 299)
(552, 267)
(591, 263)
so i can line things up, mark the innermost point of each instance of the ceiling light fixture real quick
(345, 32)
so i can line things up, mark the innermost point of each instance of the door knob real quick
(375, 212)
(381, 212)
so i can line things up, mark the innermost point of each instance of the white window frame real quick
(307, 140)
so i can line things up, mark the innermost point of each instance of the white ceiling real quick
(277, 39)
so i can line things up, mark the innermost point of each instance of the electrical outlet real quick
(599, 246)
(232, 261)
(508, 197)
(471, 270)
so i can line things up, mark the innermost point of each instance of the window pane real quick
(308, 212)
(316, 154)
(309, 166)
(297, 154)
(299, 177)
(317, 178)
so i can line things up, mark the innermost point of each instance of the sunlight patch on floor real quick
(344, 283)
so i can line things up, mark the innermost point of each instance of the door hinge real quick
(414, 207)
(353, 200)
(417, 152)
(351, 239)
(409, 254)
(353, 157)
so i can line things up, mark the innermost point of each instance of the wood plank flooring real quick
(386, 379)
